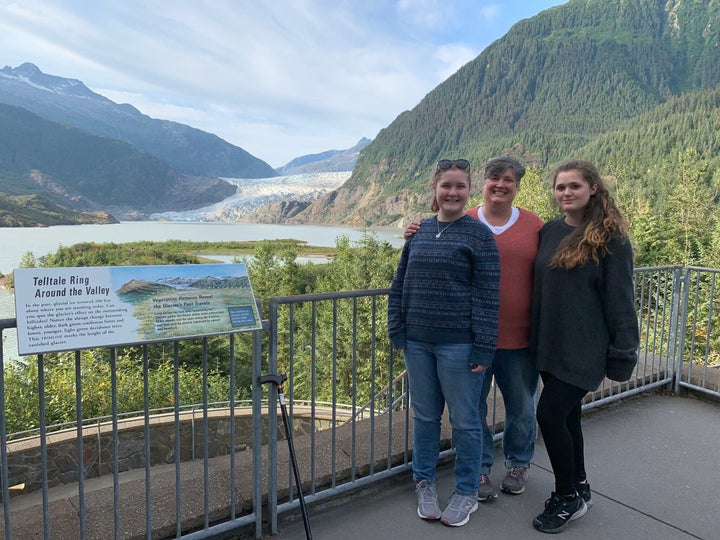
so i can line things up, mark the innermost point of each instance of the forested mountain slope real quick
(80, 171)
(615, 81)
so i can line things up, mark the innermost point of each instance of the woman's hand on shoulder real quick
(411, 229)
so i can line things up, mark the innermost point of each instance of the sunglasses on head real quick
(444, 164)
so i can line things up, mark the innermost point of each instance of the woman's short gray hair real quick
(499, 164)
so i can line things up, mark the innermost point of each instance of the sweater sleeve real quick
(396, 322)
(486, 299)
(619, 306)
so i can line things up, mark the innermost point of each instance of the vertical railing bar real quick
(655, 318)
(206, 435)
(80, 452)
(353, 424)
(494, 409)
(291, 395)
(667, 325)
(681, 293)
(257, 429)
(272, 412)
(651, 321)
(644, 290)
(408, 418)
(405, 406)
(193, 442)
(690, 349)
(693, 339)
(668, 288)
(3, 448)
(115, 441)
(373, 358)
(313, 396)
(659, 323)
(391, 408)
(708, 329)
(98, 431)
(43, 445)
(178, 434)
(146, 449)
(333, 434)
(667, 322)
(233, 442)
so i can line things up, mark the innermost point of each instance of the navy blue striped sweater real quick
(446, 289)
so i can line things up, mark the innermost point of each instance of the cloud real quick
(279, 79)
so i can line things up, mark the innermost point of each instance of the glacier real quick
(252, 193)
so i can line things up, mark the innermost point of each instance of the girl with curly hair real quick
(584, 325)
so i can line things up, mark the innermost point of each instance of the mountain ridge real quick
(68, 101)
(624, 84)
(545, 91)
(85, 173)
(328, 161)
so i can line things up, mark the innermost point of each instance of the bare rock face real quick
(60, 194)
(188, 193)
(361, 207)
(278, 212)
(355, 206)
(194, 192)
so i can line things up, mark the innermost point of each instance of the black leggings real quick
(558, 414)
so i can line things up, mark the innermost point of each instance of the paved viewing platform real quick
(653, 462)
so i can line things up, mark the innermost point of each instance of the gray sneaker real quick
(428, 507)
(457, 513)
(515, 480)
(486, 490)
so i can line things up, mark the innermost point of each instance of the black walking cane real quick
(278, 381)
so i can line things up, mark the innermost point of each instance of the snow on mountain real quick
(254, 193)
(31, 75)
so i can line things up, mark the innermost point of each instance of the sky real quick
(278, 78)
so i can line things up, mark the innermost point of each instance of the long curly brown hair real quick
(601, 221)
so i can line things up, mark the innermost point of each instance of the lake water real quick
(45, 240)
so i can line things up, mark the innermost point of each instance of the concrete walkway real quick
(653, 463)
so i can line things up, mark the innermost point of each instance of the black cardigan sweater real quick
(584, 324)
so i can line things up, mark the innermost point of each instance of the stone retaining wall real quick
(24, 456)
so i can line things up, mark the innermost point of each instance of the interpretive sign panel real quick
(59, 309)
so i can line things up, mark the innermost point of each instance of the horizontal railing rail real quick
(196, 411)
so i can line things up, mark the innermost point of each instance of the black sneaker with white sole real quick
(559, 512)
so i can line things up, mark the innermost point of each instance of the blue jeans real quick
(439, 374)
(517, 378)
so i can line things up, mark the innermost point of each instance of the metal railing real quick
(698, 368)
(178, 498)
(348, 409)
(340, 338)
